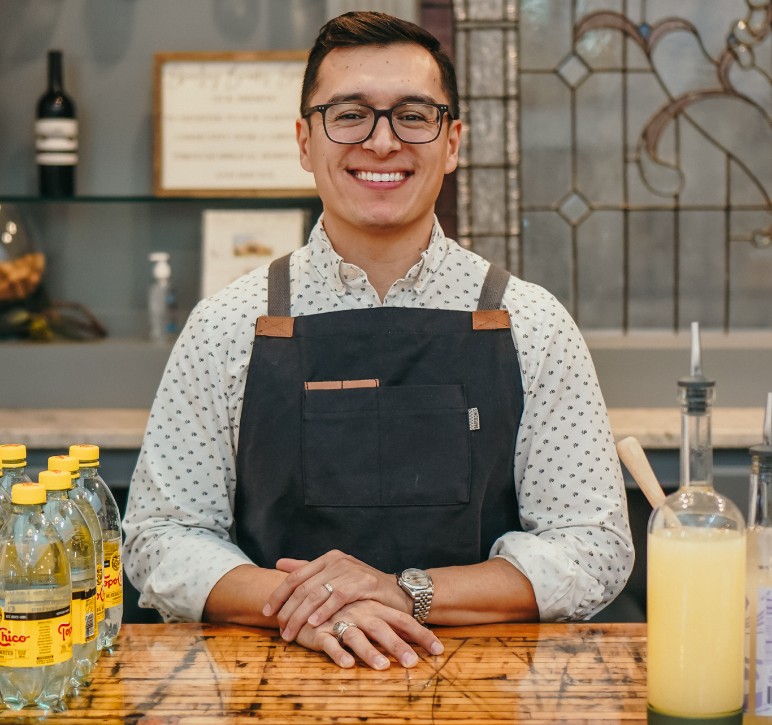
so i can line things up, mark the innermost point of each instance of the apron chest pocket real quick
(386, 446)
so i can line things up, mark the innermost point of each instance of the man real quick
(399, 405)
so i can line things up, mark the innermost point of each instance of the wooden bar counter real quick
(186, 674)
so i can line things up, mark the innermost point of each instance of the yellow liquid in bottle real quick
(696, 620)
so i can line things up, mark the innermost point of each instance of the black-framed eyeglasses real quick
(352, 123)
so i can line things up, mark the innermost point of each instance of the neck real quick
(383, 255)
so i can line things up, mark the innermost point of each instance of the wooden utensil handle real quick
(632, 455)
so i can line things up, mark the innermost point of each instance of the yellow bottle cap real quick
(64, 463)
(27, 493)
(13, 455)
(56, 480)
(87, 454)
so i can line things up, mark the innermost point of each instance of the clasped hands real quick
(338, 587)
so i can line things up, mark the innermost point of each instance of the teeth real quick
(376, 176)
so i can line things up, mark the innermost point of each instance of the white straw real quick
(696, 351)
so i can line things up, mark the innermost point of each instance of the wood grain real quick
(194, 674)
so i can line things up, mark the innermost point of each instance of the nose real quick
(382, 140)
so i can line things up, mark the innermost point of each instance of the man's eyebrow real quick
(361, 98)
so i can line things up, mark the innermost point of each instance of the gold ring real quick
(328, 587)
(339, 629)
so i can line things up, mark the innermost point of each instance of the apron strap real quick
(492, 293)
(496, 281)
(279, 287)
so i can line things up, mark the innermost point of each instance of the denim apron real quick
(387, 433)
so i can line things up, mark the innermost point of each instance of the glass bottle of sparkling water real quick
(87, 503)
(35, 598)
(68, 520)
(14, 465)
(110, 520)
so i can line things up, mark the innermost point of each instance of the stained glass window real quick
(620, 154)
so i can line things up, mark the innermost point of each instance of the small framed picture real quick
(236, 242)
(224, 124)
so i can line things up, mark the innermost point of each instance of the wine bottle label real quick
(32, 639)
(56, 141)
(113, 574)
(84, 627)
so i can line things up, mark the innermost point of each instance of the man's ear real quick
(303, 137)
(454, 143)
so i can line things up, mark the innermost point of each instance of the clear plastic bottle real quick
(87, 503)
(696, 581)
(110, 520)
(5, 500)
(14, 465)
(161, 300)
(758, 649)
(67, 519)
(35, 598)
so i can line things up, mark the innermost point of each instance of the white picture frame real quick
(235, 242)
(224, 124)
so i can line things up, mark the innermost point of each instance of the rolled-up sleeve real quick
(576, 546)
(179, 512)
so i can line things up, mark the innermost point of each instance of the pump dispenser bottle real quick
(758, 646)
(161, 300)
(696, 580)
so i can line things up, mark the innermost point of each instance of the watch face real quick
(415, 577)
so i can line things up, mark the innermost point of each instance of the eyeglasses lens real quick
(353, 123)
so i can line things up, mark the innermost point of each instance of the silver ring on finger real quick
(328, 587)
(339, 629)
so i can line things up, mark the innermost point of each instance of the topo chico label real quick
(100, 593)
(113, 574)
(35, 639)
(56, 141)
(84, 615)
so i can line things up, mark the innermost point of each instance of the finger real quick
(290, 565)
(353, 585)
(332, 604)
(285, 590)
(411, 631)
(357, 641)
(305, 600)
(336, 653)
(382, 633)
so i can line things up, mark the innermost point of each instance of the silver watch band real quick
(421, 605)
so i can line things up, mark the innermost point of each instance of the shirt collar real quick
(342, 276)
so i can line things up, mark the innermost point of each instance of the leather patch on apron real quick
(490, 320)
(341, 384)
(275, 326)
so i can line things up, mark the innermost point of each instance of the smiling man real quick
(381, 430)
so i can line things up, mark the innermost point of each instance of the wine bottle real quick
(56, 131)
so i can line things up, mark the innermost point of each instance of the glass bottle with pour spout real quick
(696, 580)
(758, 646)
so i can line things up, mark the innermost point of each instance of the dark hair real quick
(360, 28)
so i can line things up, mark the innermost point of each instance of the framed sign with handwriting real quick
(224, 124)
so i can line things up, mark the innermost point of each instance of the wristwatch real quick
(418, 584)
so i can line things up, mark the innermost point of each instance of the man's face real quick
(380, 77)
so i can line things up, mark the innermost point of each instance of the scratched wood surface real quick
(193, 674)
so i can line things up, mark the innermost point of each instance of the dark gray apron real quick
(388, 433)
